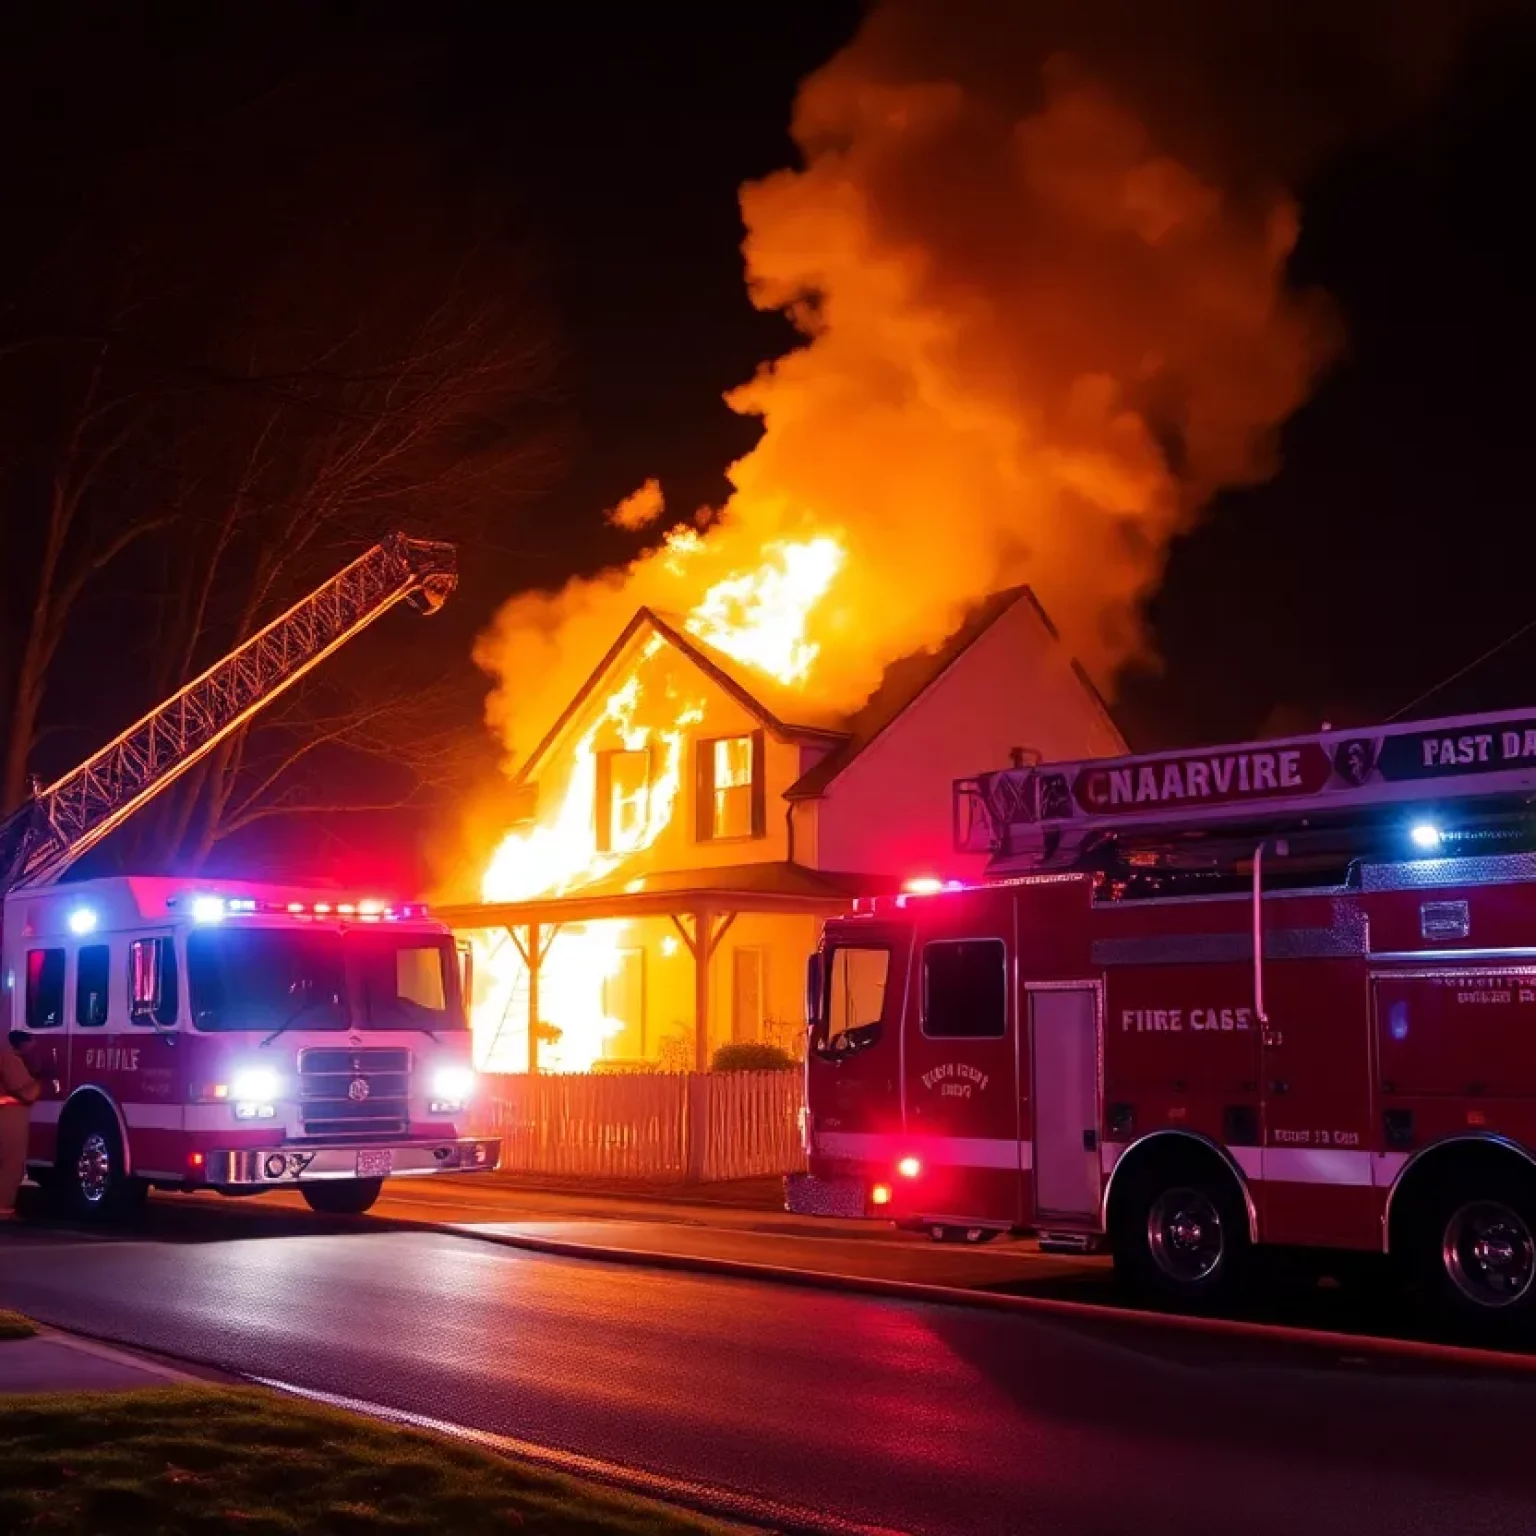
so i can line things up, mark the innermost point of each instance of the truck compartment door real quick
(1064, 1070)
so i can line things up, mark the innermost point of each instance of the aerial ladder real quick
(62, 821)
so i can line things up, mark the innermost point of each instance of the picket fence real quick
(646, 1125)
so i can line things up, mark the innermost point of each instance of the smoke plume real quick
(1038, 257)
(639, 509)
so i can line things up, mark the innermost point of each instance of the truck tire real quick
(1473, 1251)
(1180, 1235)
(91, 1178)
(341, 1197)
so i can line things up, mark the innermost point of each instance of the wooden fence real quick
(646, 1125)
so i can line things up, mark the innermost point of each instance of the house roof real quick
(767, 887)
(788, 716)
(768, 705)
(905, 681)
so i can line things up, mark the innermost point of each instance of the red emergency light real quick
(210, 908)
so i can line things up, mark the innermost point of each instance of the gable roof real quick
(905, 681)
(761, 699)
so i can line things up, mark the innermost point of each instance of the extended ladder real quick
(69, 816)
(1052, 815)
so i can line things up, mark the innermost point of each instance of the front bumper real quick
(274, 1167)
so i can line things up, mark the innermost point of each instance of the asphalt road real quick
(907, 1417)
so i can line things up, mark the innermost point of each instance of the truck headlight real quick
(253, 1085)
(253, 1091)
(452, 1088)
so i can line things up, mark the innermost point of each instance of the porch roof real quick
(767, 887)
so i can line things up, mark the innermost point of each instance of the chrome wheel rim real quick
(1184, 1235)
(93, 1168)
(1489, 1253)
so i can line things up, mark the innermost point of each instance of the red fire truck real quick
(233, 1036)
(1282, 992)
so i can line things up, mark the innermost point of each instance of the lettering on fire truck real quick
(1459, 751)
(1176, 1020)
(1487, 989)
(1175, 781)
(112, 1058)
(955, 1079)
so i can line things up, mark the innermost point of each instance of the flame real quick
(760, 617)
(560, 854)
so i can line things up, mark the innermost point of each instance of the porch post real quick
(535, 958)
(703, 953)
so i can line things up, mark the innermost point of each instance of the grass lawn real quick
(193, 1459)
(14, 1326)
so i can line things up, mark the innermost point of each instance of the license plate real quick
(375, 1163)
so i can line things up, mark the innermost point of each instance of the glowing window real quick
(623, 798)
(731, 787)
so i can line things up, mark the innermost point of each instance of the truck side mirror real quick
(815, 988)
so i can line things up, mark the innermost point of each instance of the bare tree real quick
(76, 541)
(322, 346)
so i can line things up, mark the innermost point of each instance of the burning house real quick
(691, 817)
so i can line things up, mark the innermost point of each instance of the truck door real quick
(1064, 1070)
(961, 1074)
(853, 1065)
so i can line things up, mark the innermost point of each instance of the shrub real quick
(751, 1056)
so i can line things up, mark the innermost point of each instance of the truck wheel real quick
(1180, 1237)
(91, 1176)
(341, 1197)
(1474, 1251)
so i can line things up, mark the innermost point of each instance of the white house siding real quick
(890, 811)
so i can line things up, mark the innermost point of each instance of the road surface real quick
(878, 1414)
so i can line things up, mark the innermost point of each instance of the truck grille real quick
(354, 1093)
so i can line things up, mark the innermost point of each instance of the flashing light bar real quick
(924, 885)
(207, 908)
(930, 885)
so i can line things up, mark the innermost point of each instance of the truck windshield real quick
(856, 988)
(405, 981)
(266, 978)
(276, 978)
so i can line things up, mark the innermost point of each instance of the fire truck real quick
(1274, 993)
(229, 1035)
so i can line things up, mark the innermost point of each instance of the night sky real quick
(1394, 546)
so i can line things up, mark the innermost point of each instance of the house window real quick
(623, 798)
(731, 800)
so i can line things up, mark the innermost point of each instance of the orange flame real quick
(560, 853)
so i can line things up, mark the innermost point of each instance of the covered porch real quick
(702, 906)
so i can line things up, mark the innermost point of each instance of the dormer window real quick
(623, 798)
(731, 798)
